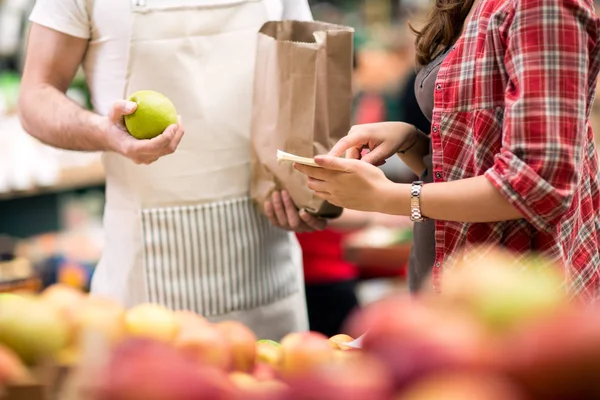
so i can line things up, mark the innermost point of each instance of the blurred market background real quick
(51, 201)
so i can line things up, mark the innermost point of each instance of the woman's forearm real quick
(466, 200)
(413, 157)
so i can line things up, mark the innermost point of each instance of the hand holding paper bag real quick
(302, 105)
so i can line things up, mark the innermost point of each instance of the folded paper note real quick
(283, 156)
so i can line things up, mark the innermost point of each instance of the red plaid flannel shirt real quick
(512, 102)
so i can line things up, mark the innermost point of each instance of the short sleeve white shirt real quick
(106, 24)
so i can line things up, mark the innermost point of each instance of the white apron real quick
(183, 232)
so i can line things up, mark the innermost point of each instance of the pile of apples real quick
(503, 328)
(153, 353)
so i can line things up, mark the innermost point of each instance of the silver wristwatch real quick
(415, 202)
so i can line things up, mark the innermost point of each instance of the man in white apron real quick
(180, 230)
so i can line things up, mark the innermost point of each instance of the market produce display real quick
(499, 331)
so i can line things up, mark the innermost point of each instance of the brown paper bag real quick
(302, 105)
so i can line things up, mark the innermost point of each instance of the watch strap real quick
(415, 202)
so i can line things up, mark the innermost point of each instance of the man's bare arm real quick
(49, 115)
(46, 113)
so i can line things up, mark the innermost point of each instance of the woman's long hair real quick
(443, 27)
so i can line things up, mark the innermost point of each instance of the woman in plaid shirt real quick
(513, 155)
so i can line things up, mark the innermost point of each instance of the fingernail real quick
(130, 106)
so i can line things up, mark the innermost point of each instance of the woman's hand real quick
(383, 140)
(347, 183)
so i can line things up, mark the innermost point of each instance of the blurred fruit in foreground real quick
(12, 370)
(348, 356)
(558, 358)
(6, 298)
(365, 379)
(339, 342)
(413, 340)
(33, 329)
(151, 321)
(142, 369)
(303, 351)
(249, 388)
(269, 352)
(501, 290)
(68, 357)
(67, 301)
(264, 372)
(187, 320)
(462, 386)
(102, 315)
(242, 343)
(206, 345)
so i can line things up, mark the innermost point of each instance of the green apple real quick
(6, 298)
(267, 341)
(503, 291)
(154, 113)
(32, 329)
(268, 352)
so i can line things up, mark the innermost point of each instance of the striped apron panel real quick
(216, 258)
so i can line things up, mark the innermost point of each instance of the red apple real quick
(302, 352)
(264, 372)
(557, 358)
(413, 340)
(251, 389)
(206, 345)
(365, 379)
(142, 369)
(242, 342)
(462, 386)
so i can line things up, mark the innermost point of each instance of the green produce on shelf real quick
(9, 91)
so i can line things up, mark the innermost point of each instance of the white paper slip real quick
(283, 156)
(357, 344)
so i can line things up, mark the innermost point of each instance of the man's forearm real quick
(50, 116)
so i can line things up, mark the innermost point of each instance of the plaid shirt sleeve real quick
(545, 123)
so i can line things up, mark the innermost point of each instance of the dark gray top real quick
(422, 255)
